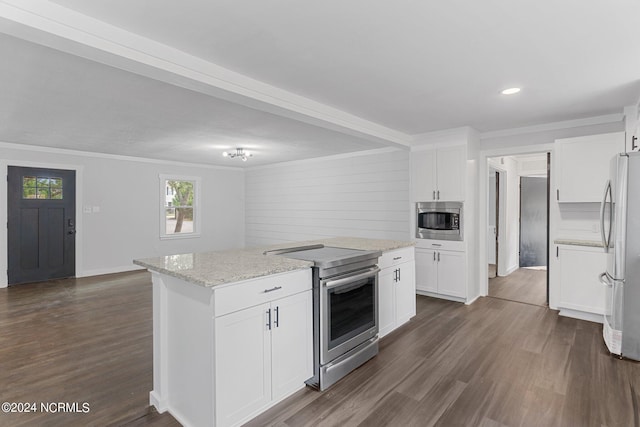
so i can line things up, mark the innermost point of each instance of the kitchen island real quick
(233, 332)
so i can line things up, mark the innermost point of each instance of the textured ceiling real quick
(407, 67)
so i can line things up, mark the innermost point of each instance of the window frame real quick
(197, 184)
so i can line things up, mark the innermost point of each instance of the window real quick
(40, 187)
(179, 207)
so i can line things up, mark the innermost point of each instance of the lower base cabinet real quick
(396, 289)
(225, 354)
(261, 355)
(441, 272)
(579, 268)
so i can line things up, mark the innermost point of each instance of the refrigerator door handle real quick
(606, 237)
(604, 279)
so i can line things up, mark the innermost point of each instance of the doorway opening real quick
(41, 223)
(518, 228)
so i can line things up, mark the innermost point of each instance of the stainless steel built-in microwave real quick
(439, 220)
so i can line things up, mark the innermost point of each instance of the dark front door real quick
(41, 224)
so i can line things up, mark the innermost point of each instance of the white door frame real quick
(4, 254)
(483, 207)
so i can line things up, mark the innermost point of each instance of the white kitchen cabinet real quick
(243, 364)
(441, 272)
(582, 166)
(216, 362)
(291, 344)
(439, 174)
(272, 358)
(580, 287)
(396, 289)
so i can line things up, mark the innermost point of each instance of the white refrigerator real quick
(620, 226)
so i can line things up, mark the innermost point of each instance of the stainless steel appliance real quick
(345, 309)
(620, 226)
(439, 220)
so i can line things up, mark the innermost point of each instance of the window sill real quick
(180, 236)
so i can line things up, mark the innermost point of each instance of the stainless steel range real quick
(345, 309)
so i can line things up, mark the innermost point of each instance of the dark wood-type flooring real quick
(493, 363)
(79, 340)
(523, 285)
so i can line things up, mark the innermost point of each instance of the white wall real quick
(360, 195)
(126, 190)
(491, 218)
(509, 215)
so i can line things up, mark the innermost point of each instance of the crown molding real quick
(60, 28)
(92, 154)
(327, 158)
(567, 124)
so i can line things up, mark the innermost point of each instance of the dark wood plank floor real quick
(523, 285)
(494, 363)
(79, 340)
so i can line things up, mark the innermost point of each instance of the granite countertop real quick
(577, 242)
(219, 267)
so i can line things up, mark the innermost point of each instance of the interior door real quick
(533, 221)
(41, 224)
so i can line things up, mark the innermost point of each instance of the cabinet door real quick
(243, 364)
(451, 274)
(582, 166)
(405, 289)
(426, 270)
(386, 301)
(451, 170)
(291, 343)
(580, 288)
(423, 175)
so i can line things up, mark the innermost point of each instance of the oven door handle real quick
(344, 280)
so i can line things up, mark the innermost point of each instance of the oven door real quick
(348, 311)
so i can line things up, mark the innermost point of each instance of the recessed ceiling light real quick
(511, 91)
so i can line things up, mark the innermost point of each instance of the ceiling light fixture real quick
(240, 153)
(510, 91)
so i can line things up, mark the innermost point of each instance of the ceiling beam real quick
(57, 27)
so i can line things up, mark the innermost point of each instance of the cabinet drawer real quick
(395, 257)
(444, 245)
(241, 295)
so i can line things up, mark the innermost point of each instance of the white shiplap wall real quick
(360, 195)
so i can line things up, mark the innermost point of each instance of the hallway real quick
(524, 285)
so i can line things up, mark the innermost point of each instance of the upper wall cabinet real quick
(582, 166)
(439, 174)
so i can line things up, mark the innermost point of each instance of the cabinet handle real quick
(434, 194)
(272, 289)
(557, 251)
(276, 323)
(436, 244)
(269, 319)
(558, 194)
(434, 255)
(438, 194)
(399, 275)
(397, 258)
(438, 256)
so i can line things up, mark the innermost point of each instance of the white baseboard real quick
(111, 270)
(582, 315)
(441, 296)
(469, 302)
